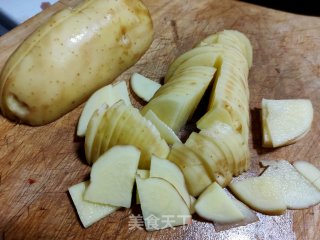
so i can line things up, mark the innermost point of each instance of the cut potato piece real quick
(168, 109)
(317, 183)
(175, 105)
(161, 202)
(215, 205)
(192, 203)
(266, 140)
(195, 174)
(105, 129)
(261, 194)
(143, 173)
(112, 177)
(163, 168)
(141, 133)
(240, 120)
(286, 120)
(105, 96)
(185, 82)
(119, 136)
(143, 87)
(112, 118)
(165, 131)
(231, 77)
(92, 130)
(88, 212)
(295, 190)
(231, 38)
(309, 171)
(189, 70)
(214, 114)
(96, 145)
(126, 126)
(218, 134)
(121, 92)
(230, 142)
(249, 215)
(190, 54)
(206, 59)
(212, 158)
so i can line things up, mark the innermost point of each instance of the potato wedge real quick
(195, 174)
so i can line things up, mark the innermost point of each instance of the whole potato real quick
(69, 57)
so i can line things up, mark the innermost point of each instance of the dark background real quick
(304, 7)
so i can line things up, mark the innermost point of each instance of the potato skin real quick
(72, 55)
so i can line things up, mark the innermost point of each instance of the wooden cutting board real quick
(38, 164)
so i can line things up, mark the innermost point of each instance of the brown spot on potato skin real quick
(123, 30)
(137, 8)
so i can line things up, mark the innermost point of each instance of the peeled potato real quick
(143, 87)
(285, 121)
(261, 194)
(76, 52)
(309, 171)
(296, 191)
(214, 204)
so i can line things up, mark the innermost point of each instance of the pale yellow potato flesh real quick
(104, 95)
(112, 118)
(266, 140)
(230, 142)
(317, 183)
(88, 212)
(92, 129)
(165, 131)
(143, 87)
(296, 191)
(181, 71)
(195, 174)
(174, 106)
(192, 203)
(160, 201)
(207, 59)
(124, 125)
(112, 177)
(233, 38)
(212, 158)
(167, 170)
(215, 205)
(260, 194)
(121, 92)
(309, 171)
(188, 55)
(220, 142)
(286, 121)
(108, 95)
(143, 173)
(77, 51)
(215, 114)
(230, 52)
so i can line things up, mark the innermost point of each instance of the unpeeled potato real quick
(72, 55)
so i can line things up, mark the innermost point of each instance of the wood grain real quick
(38, 164)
